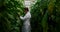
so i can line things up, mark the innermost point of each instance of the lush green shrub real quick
(45, 16)
(10, 12)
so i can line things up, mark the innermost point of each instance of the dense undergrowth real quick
(10, 11)
(45, 16)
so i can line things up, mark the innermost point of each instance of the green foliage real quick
(43, 21)
(10, 16)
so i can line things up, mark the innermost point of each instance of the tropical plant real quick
(10, 11)
(45, 16)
